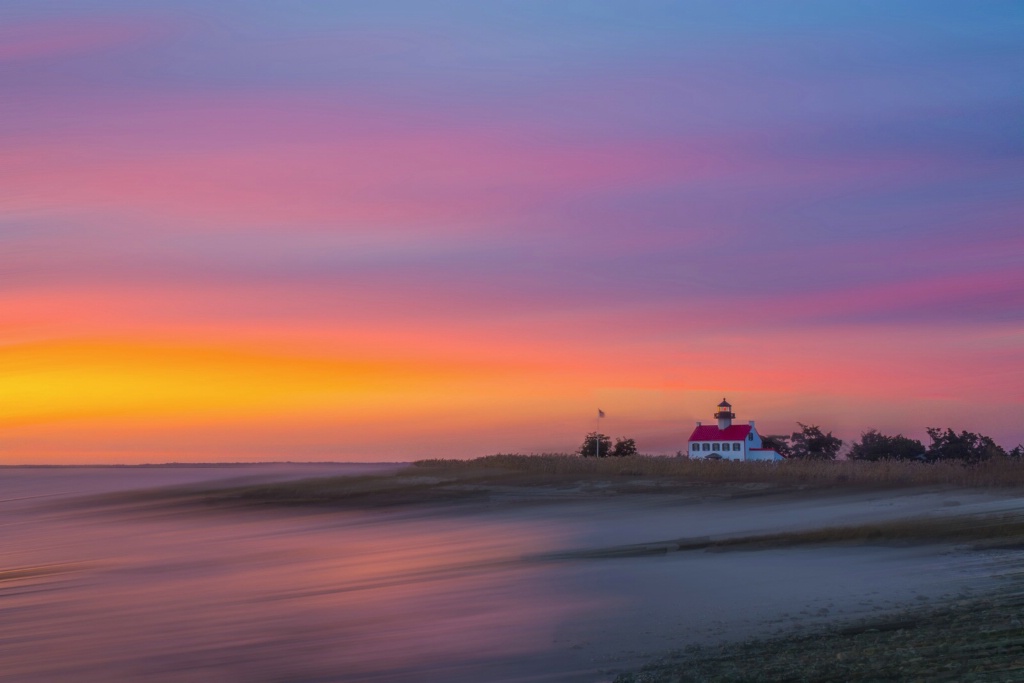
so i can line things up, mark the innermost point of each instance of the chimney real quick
(751, 423)
(698, 423)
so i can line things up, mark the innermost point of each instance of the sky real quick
(396, 230)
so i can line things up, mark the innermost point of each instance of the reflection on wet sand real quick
(167, 594)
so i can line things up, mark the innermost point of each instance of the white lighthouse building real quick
(728, 441)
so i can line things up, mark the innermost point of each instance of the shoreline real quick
(608, 573)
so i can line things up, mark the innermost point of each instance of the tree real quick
(966, 447)
(811, 444)
(624, 447)
(875, 446)
(778, 443)
(595, 444)
(1017, 452)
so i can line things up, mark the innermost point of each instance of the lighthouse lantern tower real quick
(724, 415)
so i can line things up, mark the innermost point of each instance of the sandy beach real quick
(513, 583)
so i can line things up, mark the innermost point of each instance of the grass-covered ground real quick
(1002, 472)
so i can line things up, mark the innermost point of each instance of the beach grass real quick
(994, 473)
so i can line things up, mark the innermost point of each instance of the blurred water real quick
(408, 595)
(173, 596)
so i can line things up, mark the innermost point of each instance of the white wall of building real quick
(763, 456)
(756, 441)
(726, 454)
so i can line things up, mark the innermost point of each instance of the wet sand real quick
(966, 641)
(520, 585)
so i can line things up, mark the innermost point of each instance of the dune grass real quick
(995, 473)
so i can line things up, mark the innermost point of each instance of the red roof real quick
(713, 433)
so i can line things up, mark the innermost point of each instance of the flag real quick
(600, 413)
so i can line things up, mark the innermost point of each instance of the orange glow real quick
(74, 400)
(76, 379)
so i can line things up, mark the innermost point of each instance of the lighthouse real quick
(728, 441)
(724, 415)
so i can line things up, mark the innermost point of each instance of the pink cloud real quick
(253, 161)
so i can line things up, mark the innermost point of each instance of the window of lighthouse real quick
(736, 446)
(696, 446)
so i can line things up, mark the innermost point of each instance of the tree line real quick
(811, 443)
(946, 445)
(600, 445)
